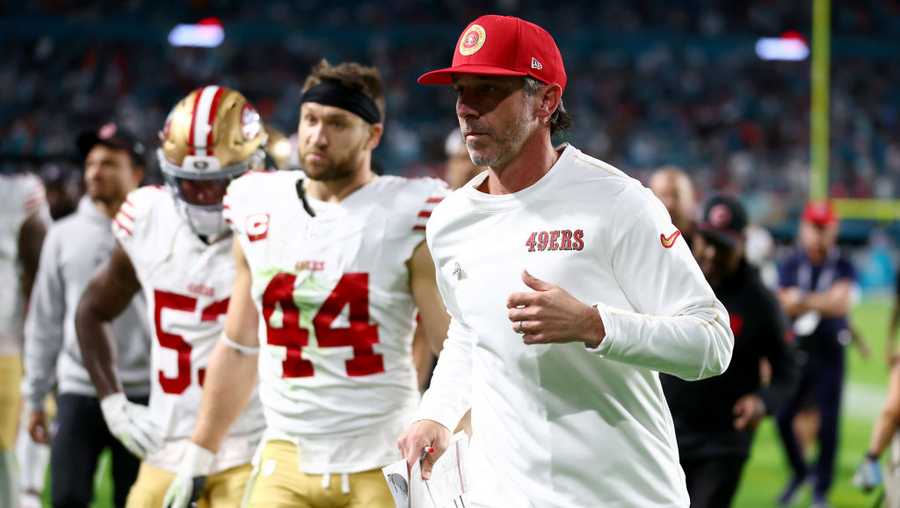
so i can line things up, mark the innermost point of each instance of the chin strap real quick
(301, 193)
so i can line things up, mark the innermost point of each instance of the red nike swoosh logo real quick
(669, 241)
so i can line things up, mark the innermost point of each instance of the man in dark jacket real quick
(715, 419)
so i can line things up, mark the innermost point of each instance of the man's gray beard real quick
(506, 150)
(501, 155)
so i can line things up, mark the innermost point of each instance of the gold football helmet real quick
(210, 137)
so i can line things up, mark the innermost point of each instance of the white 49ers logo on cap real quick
(472, 40)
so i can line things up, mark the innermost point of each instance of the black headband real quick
(334, 93)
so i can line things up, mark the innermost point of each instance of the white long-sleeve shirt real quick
(73, 251)
(560, 425)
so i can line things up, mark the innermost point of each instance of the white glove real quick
(186, 488)
(131, 424)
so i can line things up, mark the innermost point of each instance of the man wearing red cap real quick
(816, 287)
(569, 290)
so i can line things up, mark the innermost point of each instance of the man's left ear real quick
(550, 101)
(376, 130)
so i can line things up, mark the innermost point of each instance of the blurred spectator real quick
(761, 254)
(674, 188)
(715, 419)
(279, 148)
(816, 287)
(64, 189)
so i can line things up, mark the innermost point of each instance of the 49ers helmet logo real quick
(250, 123)
(167, 128)
(472, 40)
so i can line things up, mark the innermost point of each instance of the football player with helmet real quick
(331, 268)
(175, 246)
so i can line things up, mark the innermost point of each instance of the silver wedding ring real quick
(519, 329)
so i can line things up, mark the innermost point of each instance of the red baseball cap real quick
(503, 46)
(820, 213)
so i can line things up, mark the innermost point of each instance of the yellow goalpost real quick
(877, 209)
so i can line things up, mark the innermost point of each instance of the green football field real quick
(767, 472)
(864, 394)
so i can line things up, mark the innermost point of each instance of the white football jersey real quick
(21, 195)
(187, 284)
(336, 312)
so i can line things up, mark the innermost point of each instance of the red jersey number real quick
(173, 301)
(351, 290)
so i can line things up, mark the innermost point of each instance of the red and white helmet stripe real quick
(206, 103)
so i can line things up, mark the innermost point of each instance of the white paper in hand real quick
(398, 482)
(448, 476)
(446, 487)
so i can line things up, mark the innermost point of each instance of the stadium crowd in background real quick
(675, 89)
